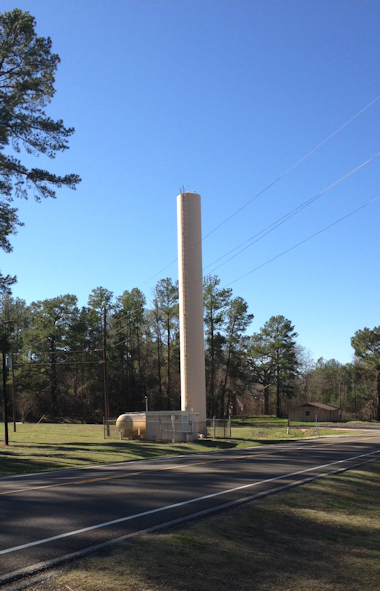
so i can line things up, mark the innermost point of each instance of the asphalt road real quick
(50, 515)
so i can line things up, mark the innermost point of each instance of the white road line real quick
(181, 504)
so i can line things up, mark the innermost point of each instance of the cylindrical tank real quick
(132, 424)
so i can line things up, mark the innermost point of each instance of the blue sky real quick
(223, 96)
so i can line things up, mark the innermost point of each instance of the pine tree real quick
(27, 70)
(366, 344)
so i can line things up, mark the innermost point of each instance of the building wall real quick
(323, 414)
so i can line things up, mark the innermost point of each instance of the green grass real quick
(321, 537)
(271, 421)
(262, 420)
(44, 446)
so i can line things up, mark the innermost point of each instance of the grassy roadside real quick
(321, 537)
(46, 446)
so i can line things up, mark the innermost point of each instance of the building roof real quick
(317, 405)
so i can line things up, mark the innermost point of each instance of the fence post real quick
(173, 427)
(213, 424)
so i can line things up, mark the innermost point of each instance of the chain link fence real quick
(175, 430)
(218, 428)
(109, 429)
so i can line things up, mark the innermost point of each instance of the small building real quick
(311, 411)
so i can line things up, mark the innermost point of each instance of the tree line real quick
(68, 360)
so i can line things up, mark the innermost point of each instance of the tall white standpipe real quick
(193, 381)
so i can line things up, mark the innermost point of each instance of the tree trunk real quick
(212, 376)
(266, 399)
(159, 374)
(278, 404)
(105, 381)
(139, 360)
(224, 388)
(53, 377)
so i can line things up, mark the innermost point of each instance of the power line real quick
(59, 351)
(32, 364)
(119, 343)
(113, 333)
(116, 320)
(169, 265)
(124, 328)
(303, 241)
(290, 169)
(272, 183)
(235, 280)
(285, 218)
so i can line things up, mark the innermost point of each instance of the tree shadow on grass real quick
(47, 457)
(14, 465)
(39, 457)
(148, 449)
(216, 444)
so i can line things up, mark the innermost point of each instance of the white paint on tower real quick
(193, 382)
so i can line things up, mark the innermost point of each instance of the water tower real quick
(193, 381)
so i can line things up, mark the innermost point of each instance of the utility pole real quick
(13, 385)
(105, 388)
(5, 400)
(13, 397)
(5, 346)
